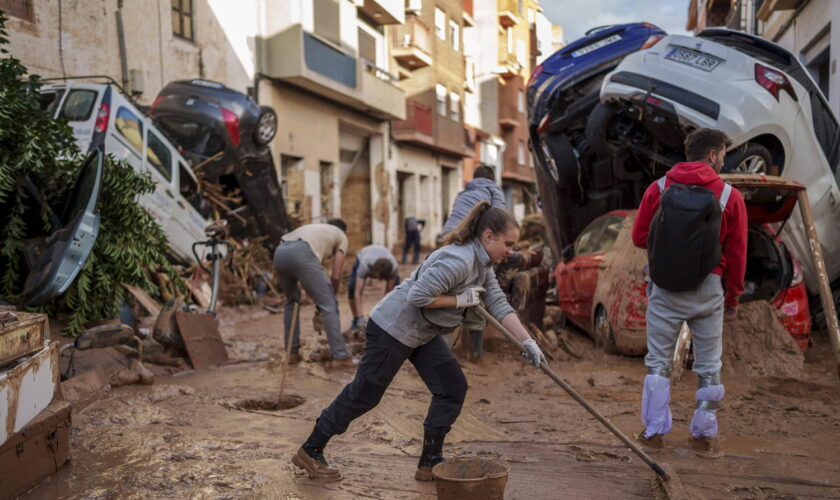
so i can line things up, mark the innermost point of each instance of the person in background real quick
(372, 261)
(483, 187)
(413, 226)
(299, 258)
(407, 325)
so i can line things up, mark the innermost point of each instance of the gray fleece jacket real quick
(477, 190)
(447, 271)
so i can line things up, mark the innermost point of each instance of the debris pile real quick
(755, 343)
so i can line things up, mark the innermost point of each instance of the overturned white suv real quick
(751, 89)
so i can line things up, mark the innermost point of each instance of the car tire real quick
(596, 129)
(266, 126)
(753, 159)
(602, 331)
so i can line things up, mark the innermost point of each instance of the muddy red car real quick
(602, 279)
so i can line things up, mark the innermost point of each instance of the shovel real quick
(288, 350)
(667, 479)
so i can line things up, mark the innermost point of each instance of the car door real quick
(590, 265)
(186, 224)
(577, 273)
(159, 162)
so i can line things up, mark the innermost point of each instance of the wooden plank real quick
(145, 300)
(822, 275)
(200, 333)
(23, 337)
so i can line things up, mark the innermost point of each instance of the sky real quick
(578, 16)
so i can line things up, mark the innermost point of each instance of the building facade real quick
(431, 143)
(318, 63)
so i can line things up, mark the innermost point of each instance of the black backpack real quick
(684, 239)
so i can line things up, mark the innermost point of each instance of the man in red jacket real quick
(703, 308)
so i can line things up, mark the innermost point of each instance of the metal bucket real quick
(470, 478)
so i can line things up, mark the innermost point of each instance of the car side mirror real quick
(568, 253)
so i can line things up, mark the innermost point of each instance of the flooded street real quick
(213, 434)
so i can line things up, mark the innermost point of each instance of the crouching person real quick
(372, 261)
(694, 227)
(407, 325)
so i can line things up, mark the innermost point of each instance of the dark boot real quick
(432, 454)
(310, 457)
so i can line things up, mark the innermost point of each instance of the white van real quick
(99, 114)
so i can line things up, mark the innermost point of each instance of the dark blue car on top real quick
(561, 93)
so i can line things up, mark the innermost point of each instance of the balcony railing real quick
(412, 43)
(418, 117)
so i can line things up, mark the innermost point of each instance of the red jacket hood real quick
(695, 173)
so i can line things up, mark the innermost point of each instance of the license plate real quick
(693, 59)
(597, 45)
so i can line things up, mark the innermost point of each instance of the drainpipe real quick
(121, 41)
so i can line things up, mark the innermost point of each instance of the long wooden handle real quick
(822, 276)
(577, 397)
(289, 342)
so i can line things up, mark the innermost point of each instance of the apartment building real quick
(318, 63)
(431, 143)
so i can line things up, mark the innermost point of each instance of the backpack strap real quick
(724, 196)
(661, 184)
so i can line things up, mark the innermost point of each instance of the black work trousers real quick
(384, 355)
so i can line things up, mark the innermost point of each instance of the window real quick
(49, 100)
(197, 139)
(367, 46)
(440, 99)
(521, 52)
(182, 18)
(519, 7)
(159, 156)
(440, 24)
(520, 101)
(599, 236)
(327, 22)
(520, 153)
(453, 35)
(189, 190)
(78, 106)
(532, 16)
(18, 8)
(130, 126)
(510, 40)
(455, 106)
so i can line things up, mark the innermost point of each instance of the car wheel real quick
(753, 159)
(604, 337)
(266, 126)
(596, 129)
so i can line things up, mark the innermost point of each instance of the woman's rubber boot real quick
(310, 457)
(432, 454)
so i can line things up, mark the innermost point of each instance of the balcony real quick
(509, 13)
(510, 114)
(469, 20)
(309, 62)
(383, 11)
(769, 6)
(426, 128)
(412, 44)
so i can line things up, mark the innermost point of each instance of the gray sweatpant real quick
(294, 261)
(702, 308)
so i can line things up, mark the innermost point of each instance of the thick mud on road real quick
(219, 433)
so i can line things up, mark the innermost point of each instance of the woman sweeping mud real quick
(407, 324)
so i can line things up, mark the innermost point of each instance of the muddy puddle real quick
(221, 433)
